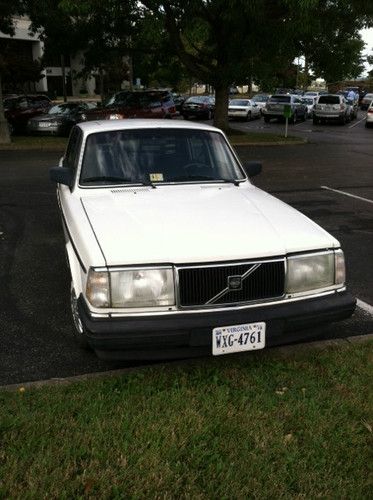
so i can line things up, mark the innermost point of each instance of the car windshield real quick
(280, 98)
(308, 100)
(62, 109)
(239, 102)
(157, 156)
(329, 99)
(260, 98)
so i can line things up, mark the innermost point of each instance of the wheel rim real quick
(75, 312)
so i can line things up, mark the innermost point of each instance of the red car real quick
(137, 104)
(18, 110)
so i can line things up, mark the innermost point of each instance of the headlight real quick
(131, 288)
(312, 272)
(115, 116)
(98, 288)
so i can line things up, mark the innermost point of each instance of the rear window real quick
(260, 98)
(198, 99)
(280, 98)
(239, 102)
(368, 96)
(329, 99)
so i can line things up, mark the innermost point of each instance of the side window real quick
(73, 149)
(22, 103)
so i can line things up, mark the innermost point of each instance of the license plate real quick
(44, 124)
(238, 338)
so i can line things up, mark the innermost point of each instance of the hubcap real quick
(75, 313)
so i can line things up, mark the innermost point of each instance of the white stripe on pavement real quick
(356, 123)
(347, 194)
(366, 307)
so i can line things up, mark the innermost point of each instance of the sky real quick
(367, 36)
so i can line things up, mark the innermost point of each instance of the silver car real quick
(369, 117)
(276, 105)
(331, 107)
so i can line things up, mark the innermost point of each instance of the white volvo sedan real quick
(173, 252)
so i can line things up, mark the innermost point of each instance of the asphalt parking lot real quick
(330, 179)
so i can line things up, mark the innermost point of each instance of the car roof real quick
(129, 123)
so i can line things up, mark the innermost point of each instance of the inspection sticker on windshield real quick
(238, 338)
(156, 177)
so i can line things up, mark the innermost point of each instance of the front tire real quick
(80, 335)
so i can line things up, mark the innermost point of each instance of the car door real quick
(71, 161)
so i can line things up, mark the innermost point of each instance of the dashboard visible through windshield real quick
(151, 156)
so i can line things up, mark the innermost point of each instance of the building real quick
(26, 46)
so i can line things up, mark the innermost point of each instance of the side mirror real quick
(61, 175)
(252, 168)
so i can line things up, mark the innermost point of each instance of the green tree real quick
(57, 29)
(7, 12)
(225, 41)
(106, 29)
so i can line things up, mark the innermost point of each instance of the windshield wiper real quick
(187, 178)
(118, 180)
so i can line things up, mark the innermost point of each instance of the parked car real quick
(366, 101)
(202, 107)
(243, 109)
(173, 252)
(136, 104)
(369, 117)
(276, 104)
(309, 102)
(311, 93)
(178, 100)
(60, 118)
(261, 100)
(331, 107)
(18, 110)
(352, 108)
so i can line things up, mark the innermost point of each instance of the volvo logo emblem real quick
(234, 283)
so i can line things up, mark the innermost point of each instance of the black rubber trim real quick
(172, 335)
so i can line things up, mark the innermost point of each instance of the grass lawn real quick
(253, 426)
(237, 137)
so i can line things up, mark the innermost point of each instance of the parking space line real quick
(364, 306)
(356, 123)
(346, 194)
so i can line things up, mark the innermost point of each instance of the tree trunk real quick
(221, 108)
(130, 72)
(101, 73)
(63, 68)
(4, 129)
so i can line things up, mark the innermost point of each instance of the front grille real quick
(198, 286)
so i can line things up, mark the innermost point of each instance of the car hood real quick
(195, 223)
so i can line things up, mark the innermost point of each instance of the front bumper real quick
(178, 335)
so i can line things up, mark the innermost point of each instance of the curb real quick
(289, 143)
(280, 351)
